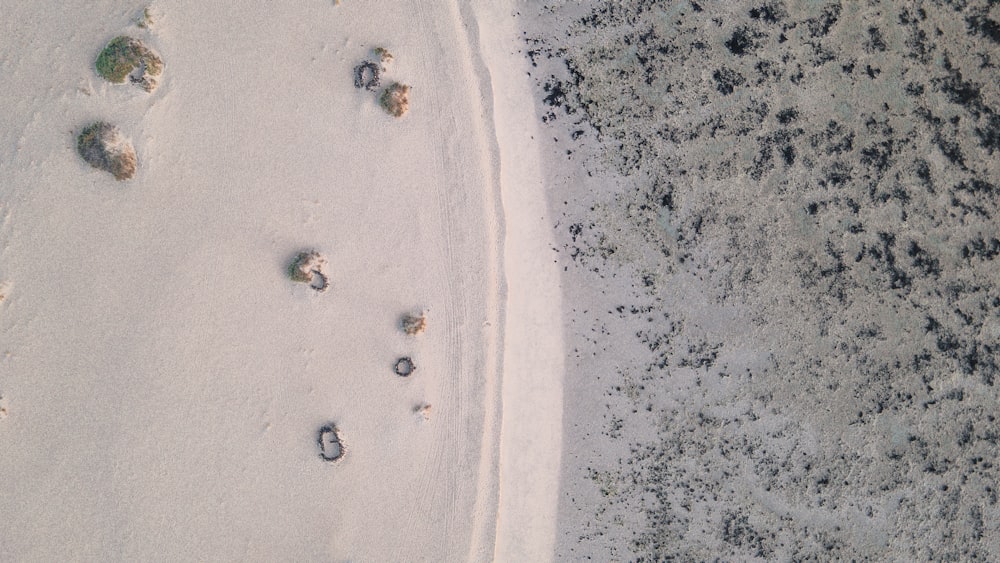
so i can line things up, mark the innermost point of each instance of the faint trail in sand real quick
(481, 547)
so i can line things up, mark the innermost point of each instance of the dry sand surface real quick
(169, 391)
(609, 280)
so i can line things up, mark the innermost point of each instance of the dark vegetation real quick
(829, 177)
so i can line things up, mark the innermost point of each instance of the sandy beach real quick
(610, 280)
(163, 378)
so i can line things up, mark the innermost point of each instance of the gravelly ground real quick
(785, 220)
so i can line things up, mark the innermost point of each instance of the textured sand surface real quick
(164, 381)
(702, 281)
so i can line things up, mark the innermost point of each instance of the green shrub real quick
(127, 58)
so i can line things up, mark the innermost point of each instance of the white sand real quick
(533, 359)
(165, 381)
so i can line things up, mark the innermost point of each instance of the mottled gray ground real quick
(786, 217)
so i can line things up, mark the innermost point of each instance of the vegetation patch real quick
(310, 267)
(413, 324)
(126, 58)
(104, 147)
(424, 410)
(367, 75)
(145, 20)
(396, 99)
(383, 55)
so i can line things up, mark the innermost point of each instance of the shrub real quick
(396, 99)
(127, 58)
(310, 267)
(383, 55)
(104, 148)
(413, 324)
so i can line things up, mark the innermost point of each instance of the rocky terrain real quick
(787, 216)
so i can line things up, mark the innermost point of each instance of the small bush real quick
(310, 267)
(127, 58)
(383, 55)
(413, 324)
(396, 99)
(104, 148)
(145, 20)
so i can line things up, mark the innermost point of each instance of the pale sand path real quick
(531, 437)
(164, 379)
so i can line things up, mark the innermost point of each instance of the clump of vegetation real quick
(396, 99)
(127, 58)
(383, 55)
(413, 324)
(145, 21)
(423, 409)
(104, 147)
(310, 267)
